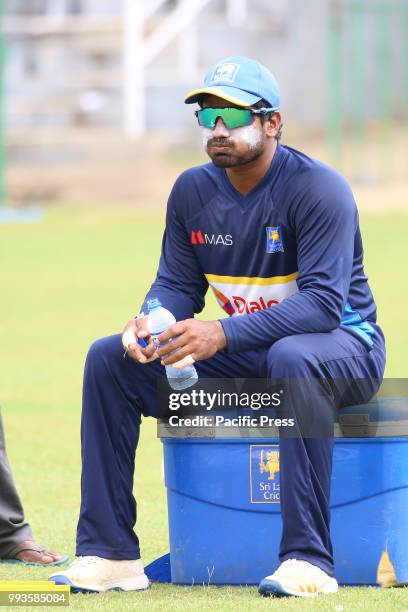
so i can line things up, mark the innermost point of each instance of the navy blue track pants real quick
(118, 391)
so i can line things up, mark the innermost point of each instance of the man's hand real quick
(135, 329)
(200, 339)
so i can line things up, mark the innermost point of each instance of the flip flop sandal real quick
(28, 545)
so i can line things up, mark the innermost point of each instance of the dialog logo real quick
(264, 474)
(243, 306)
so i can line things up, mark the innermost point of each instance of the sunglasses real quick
(232, 117)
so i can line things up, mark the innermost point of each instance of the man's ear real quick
(273, 124)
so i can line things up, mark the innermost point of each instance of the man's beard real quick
(230, 159)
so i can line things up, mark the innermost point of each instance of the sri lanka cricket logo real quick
(225, 72)
(271, 465)
(264, 474)
(274, 242)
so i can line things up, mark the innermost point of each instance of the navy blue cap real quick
(240, 80)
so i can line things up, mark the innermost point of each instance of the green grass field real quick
(79, 275)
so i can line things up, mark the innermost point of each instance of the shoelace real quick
(300, 565)
(84, 561)
(291, 563)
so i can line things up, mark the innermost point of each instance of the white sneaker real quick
(299, 578)
(98, 575)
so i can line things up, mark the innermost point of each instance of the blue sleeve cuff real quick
(228, 327)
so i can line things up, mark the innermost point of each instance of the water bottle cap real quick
(154, 303)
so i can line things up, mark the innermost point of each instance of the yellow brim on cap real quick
(215, 91)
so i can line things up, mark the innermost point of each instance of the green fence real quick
(367, 87)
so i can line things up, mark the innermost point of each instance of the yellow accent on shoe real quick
(298, 578)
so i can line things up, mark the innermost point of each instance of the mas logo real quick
(274, 242)
(225, 72)
(264, 474)
(199, 237)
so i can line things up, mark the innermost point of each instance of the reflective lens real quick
(232, 117)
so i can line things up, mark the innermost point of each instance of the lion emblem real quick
(271, 465)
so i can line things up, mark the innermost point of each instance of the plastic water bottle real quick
(160, 319)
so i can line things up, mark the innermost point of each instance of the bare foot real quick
(29, 551)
